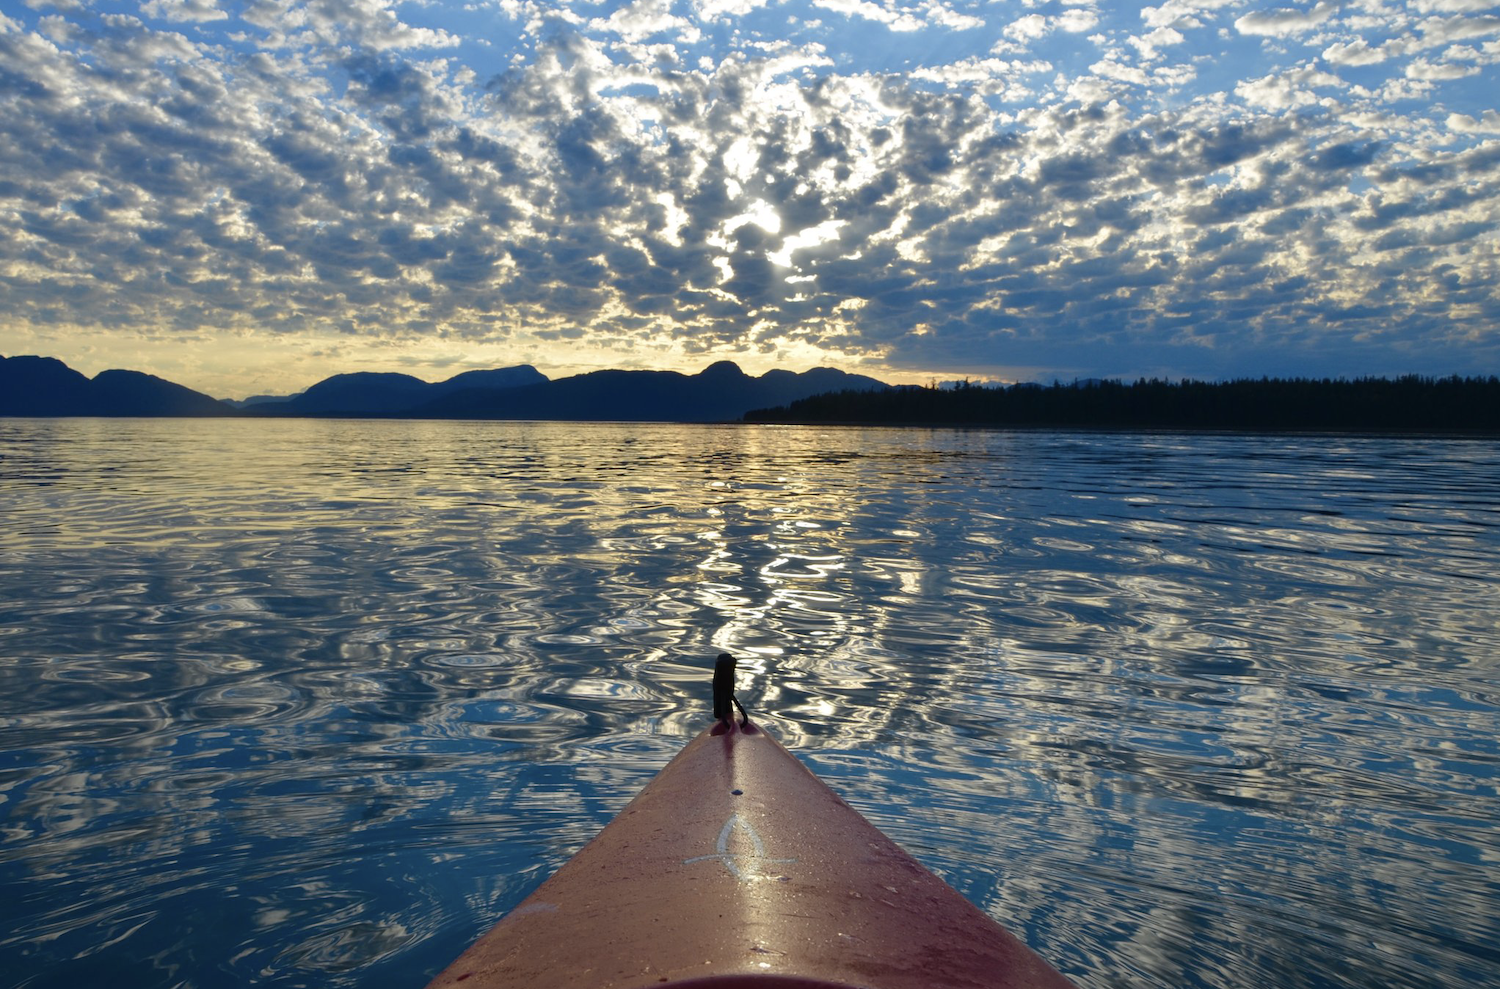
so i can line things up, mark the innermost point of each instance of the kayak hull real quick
(736, 866)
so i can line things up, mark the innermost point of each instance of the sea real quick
(314, 702)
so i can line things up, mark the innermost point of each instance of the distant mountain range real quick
(45, 386)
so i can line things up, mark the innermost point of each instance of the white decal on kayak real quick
(740, 865)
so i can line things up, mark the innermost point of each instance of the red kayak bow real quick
(737, 867)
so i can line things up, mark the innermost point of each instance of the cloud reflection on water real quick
(1188, 710)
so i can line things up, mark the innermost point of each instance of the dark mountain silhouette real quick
(505, 377)
(370, 393)
(135, 393)
(45, 386)
(719, 393)
(245, 403)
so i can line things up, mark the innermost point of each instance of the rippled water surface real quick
(312, 703)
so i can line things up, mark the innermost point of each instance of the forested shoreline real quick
(1407, 404)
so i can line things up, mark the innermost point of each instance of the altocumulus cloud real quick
(1203, 187)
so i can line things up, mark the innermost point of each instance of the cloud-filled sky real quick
(249, 196)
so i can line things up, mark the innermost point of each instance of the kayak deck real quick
(736, 866)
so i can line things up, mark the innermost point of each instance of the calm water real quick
(312, 703)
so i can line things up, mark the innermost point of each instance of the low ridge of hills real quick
(375, 393)
(45, 386)
(719, 393)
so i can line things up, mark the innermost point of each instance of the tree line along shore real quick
(1464, 405)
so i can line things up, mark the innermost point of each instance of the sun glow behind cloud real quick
(249, 197)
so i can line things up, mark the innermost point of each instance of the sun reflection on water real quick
(312, 702)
